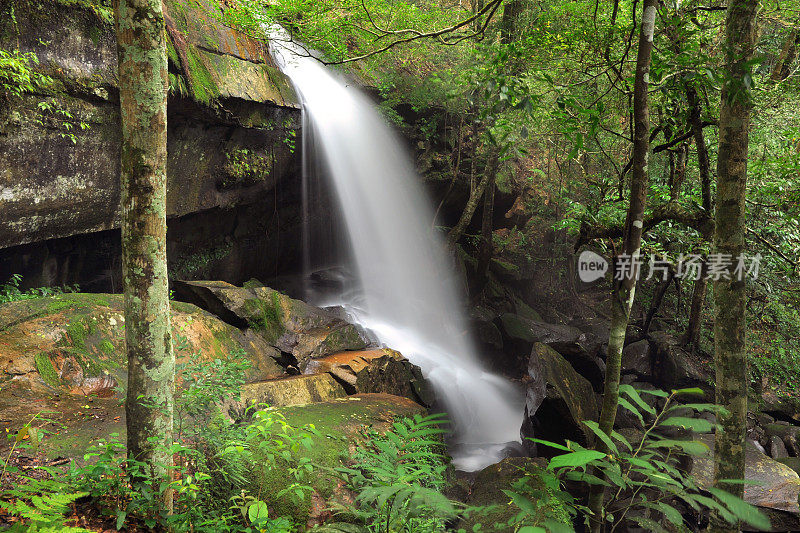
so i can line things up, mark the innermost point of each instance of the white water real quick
(409, 291)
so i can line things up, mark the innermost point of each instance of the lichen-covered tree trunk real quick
(729, 294)
(625, 288)
(142, 55)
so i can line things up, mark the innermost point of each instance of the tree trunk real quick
(691, 338)
(143, 82)
(624, 289)
(788, 53)
(658, 297)
(729, 294)
(489, 173)
(703, 164)
(485, 250)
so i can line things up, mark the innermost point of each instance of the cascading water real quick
(409, 292)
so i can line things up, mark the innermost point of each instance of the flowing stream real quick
(408, 291)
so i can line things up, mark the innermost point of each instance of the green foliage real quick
(245, 167)
(17, 74)
(10, 291)
(398, 478)
(647, 483)
(40, 505)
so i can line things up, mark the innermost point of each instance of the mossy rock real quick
(290, 325)
(73, 345)
(340, 424)
(487, 492)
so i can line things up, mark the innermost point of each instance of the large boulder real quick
(66, 355)
(288, 390)
(676, 367)
(636, 359)
(578, 347)
(379, 370)
(340, 425)
(783, 407)
(59, 178)
(568, 400)
(774, 485)
(293, 326)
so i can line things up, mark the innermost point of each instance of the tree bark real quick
(729, 294)
(489, 173)
(142, 55)
(624, 289)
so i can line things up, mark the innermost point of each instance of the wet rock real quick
(380, 370)
(789, 434)
(636, 359)
(568, 400)
(59, 182)
(776, 485)
(290, 325)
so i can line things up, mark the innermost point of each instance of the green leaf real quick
(743, 510)
(257, 512)
(575, 459)
(624, 403)
(699, 425)
(555, 445)
(595, 427)
(634, 395)
(691, 391)
(692, 447)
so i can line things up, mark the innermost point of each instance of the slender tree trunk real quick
(702, 150)
(691, 338)
(729, 294)
(658, 297)
(489, 173)
(784, 63)
(142, 58)
(624, 289)
(485, 250)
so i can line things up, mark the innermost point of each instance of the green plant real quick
(40, 504)
(645, 476)
(10, 291)
(64, 121)
(398, 478)
(245, 167)
(17, 74)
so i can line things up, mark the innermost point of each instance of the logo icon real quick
(591, 266)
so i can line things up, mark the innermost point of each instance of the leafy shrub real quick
(398, 478)
(11, 292)
(645, 476)
(17, 74)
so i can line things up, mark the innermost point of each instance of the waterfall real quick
(409, 292)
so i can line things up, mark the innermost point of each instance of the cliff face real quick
(232, 118)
